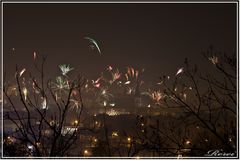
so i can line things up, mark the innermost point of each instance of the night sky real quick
(156, 37)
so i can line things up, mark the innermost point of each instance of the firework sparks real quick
(136, 74)
(92, 41)
(65, 69)
(25, 93)
(128, 82)
(103, 92)
(34, 55)
(179, 71)
(119, 82)
(76, 103)
(116, 75)
(126, 75)
(112, 104)
(21, 73)
(12, 90)
(56, 97)
(60, 84)
(97, 85)
(146, 93)
(156, 96)
(159, 83)
(97, 82)
(213, 59)
(35, 89)
(104, 103)
(109, 68)
(132, 73)
(184, 96)
(44, 103)
(129, 90)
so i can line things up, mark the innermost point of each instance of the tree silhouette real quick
(45, 127)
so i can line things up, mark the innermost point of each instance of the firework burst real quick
(180, 70)
(94, 43)
(65, 69)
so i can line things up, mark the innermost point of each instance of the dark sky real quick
(156, 37)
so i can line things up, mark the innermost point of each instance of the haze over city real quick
(120, 80)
